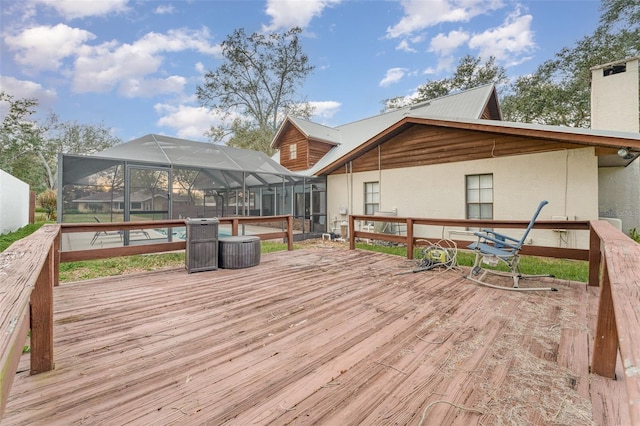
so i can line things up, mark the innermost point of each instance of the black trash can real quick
(201, 253)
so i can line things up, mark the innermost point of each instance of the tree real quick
(256, 86)
(29, 150)
(470, 73)
(558, 92)
(19, 134)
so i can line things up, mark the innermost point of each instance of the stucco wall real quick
(14, 203)
(614, 99)
(620, 194)
(567, 179)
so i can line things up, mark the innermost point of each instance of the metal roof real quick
(220, 166)
(469, 104)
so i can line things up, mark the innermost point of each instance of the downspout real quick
(346, 176)
(351, 192)
(379, 177)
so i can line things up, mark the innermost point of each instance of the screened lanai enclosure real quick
(158, 177)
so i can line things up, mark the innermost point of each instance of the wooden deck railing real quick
(618, 326)
(104, 253)
(411, 240)
(29, 271)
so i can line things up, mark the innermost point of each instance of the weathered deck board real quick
(324, 336)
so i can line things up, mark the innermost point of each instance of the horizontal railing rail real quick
(411, 240)
(105, 253)
(28, 270)
(618, 324)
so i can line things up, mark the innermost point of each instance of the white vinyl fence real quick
(14, 203)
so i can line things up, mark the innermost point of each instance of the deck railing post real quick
(594, 257)
(605, 348)
(351, 231)
(234, 227)
(41, 317)
(409, 238)
(56, 258)
(290, 233)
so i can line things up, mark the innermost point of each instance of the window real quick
(293, 151)
(136, 205)
(480, 196)
(371, 197)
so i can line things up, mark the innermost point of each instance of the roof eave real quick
(612, 141)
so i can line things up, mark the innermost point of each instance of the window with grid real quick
(371, 197)
(480, 196)
(293, 151)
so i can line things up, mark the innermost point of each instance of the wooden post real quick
(56, 258)
(290, 233)
(594, 257)
(234, 227)
(352, 234)
(32, 207)
(42, 318)
(409, 238)
(605, 348)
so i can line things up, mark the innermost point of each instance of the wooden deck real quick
(322, 335)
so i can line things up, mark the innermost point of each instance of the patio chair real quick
(97, 234)
(119, 233)
(493, 248)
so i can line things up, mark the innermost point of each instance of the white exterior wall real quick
(565, 178)
(620, 195)
(14, 203)
(615, 106)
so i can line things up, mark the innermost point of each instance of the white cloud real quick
(393, 75)
(71, 9)
(294, 13)
(445, 63)
(44, 47)
(164, 10)
(135, 88)
(509, 43)
(103, 67)
(24, 89)
(404, 46)
(325, 109)
(445, 44)
(188, 121)
(421, 14)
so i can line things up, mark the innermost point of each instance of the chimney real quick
(614, 96)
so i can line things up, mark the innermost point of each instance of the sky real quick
(133, 65)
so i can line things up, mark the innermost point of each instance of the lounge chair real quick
(492, 248)
(119, 233)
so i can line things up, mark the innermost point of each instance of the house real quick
(454, 157)
(141, 201)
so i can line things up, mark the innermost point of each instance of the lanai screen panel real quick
(158, 177)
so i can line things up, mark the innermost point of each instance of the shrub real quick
(48, 201)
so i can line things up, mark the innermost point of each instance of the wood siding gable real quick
(308, 152)
(420, 145)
